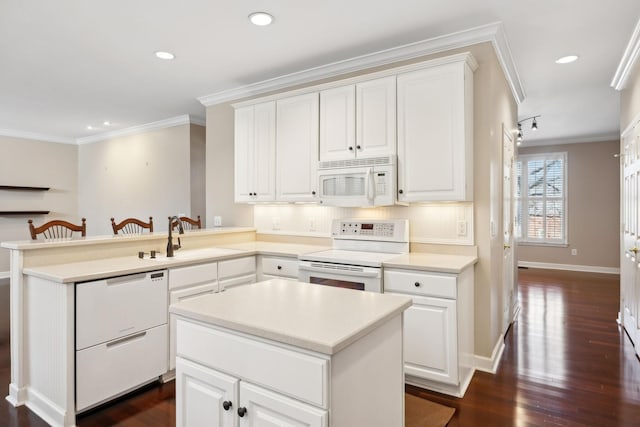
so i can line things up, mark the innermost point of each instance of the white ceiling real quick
(68, 64)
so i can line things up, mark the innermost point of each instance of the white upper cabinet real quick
(297, 148)
(255, 153)
(376, 117)
(358, 120)
(435, 133)
(338, 123)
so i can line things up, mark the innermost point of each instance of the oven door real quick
(342, 276)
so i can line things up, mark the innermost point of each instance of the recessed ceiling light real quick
(566, 59)
(165, 55)
(89, 127)
(260, 18)
(106, 123)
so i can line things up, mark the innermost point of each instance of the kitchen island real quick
(279, 350)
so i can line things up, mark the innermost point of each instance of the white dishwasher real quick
(121, 335)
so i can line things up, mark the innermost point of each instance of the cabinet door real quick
(201, 394)
(338, 123)
(244, 154)
(255, 156)
(376, 117)
(430, 340)
(297, 148)
(264, 148)
(267, 409)
(433, 138)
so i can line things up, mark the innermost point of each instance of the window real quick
(541, 198)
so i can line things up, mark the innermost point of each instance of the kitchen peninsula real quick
(284, 350)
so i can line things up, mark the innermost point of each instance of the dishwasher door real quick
(120, 306)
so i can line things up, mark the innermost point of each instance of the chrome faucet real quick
(170, 246)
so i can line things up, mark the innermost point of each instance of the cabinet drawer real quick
(280, 267)
(236, 267)
(113, 308)
(298, 375)
(110, 369)
(419, 283)
(193, 275)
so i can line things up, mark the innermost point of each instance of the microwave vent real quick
(350, 163)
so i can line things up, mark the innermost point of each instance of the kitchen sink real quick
(196, 253)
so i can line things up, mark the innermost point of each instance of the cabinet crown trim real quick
(493, 33)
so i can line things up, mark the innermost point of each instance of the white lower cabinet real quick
(236, 272)
(438, 328)
(270, 267)
(212, 398)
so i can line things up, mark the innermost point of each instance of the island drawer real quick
(420, 283)
(280, 266)
(193, 275)
(299, 375)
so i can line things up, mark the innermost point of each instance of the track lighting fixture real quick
(534, 126)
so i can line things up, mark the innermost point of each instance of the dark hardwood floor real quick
(566, 363)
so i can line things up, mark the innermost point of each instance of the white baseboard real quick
(569, 267)
(490, 364)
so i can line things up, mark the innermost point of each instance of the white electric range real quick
(359, 249)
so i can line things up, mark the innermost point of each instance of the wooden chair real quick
(188, 223)
(57, 229)
(132, 226)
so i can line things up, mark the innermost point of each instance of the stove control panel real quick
(373, 229)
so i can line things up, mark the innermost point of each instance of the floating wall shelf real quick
(24, 212)
(23, 188)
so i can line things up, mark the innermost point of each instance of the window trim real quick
(523, 199)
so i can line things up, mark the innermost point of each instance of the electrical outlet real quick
(217, 221)
(462, 228)
(574, 252)
(275, 223)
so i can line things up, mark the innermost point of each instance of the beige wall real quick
(220, 172)
(40, 164)
(140, 175)
(198, 172)
(493, 106)
(592, 208)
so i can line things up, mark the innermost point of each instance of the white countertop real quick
(276, 249)
(95, 240)
(443, 263)
(314, 317)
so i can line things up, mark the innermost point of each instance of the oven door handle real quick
(363, 273)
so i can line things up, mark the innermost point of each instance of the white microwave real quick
(358, 182)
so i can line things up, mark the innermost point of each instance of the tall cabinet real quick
(435, 132)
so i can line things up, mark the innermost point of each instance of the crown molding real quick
(198, 121)
(492, 33)
(629, 58)
(36, 136)
(161, 124)
(571, 140)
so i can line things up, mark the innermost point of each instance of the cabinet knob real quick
(242, 411)
(358, 147)
(226, 405)
(417, 284)
(313, 193)
(400, 191)
(350, 148)
(279, 267)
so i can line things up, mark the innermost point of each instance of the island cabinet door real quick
(263, 408)
(204, 397)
